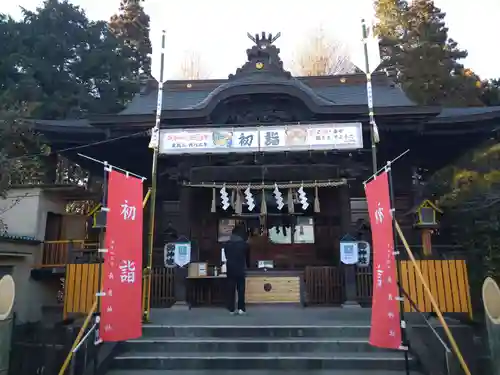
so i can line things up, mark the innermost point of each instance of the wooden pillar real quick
(184, 231)
(345, 227)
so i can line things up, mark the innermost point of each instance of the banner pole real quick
(155, 145)
(107, 165)
(374, 136)
(100, 257)
(405, 343)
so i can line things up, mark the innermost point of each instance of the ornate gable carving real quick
(263, 57)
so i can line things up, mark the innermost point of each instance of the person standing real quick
(236, 251)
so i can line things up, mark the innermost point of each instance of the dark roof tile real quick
(384, 95)
(466, 114)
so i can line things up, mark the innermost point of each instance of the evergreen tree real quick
(391, 29)
(491, 92)
(132, 25)
(54, 64)
(416, 46)
(77, 66)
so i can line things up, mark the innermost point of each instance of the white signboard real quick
(333, 136)
(182, 253)
(349, 252)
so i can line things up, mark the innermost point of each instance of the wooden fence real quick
(80, 288)
(61, 253)
(162, 287)
(364, 285)
(324, 285)
(448, 281)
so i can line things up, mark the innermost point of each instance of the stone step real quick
(249, 345)
(261, 361)
(242, 331)
(258, 372)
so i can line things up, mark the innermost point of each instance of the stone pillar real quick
(345, 228)
(184, 232)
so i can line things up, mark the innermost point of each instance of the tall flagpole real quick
(155, 145)
(374, 136)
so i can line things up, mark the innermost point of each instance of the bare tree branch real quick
(192, 67)
(322, 55)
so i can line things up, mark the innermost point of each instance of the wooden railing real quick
(80, 288)
(364, 285)
(324, 285)
(447, 279)
(61, 253)
(162, 287)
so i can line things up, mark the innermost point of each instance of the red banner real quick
(385, 329)
(121, 307)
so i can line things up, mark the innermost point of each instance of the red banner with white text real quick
(121, 307)
(385, 329)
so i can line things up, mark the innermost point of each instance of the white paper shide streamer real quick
(303, 198)
(249, 199)
(224, 198)
(279, 197)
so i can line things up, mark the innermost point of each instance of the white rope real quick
(270, 186)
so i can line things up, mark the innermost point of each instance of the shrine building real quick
(286, 156)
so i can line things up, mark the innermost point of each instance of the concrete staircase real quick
(250, 349)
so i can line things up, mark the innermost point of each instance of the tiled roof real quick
(146, 104)
(384, 95)
(447, 112)
(66, 125)
(466, 114)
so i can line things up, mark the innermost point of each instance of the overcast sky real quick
(217, 29)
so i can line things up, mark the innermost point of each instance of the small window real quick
(304, 230)
(280, 235)
(301, 232)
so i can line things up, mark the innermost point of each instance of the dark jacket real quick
(237, 251)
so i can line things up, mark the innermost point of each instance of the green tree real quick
(77, 66)
(491, 92)
(417, 48)
(392, 29)
(54, 64)
(469, 193)
(132, 25)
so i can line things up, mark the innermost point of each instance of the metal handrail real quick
(415, 307)
(78, 338)
(75, 350)
(434, 304)
(438, 336)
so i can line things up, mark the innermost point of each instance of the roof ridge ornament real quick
(263, 56)
(262, 41)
